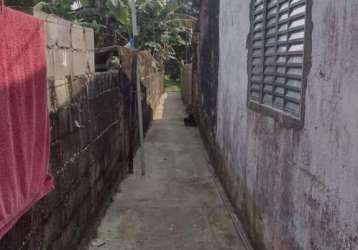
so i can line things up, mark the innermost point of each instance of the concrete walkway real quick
(179, 204)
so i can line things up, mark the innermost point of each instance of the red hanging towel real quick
(24, 122)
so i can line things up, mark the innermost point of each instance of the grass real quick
(171, 85)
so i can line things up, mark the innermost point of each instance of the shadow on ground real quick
(178, 204)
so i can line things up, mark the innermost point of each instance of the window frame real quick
(280, 115)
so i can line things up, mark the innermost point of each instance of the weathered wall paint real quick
(207, 63)
(293, 189)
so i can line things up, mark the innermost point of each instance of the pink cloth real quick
(24, 122)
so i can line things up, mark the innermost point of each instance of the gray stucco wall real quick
(294, 189)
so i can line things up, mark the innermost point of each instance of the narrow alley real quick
(243, 114)
(179, 204)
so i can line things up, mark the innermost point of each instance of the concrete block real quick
(79, 63)
(89, 39)
(78, 87)
(64, 31)
(91, 86)
(90, 62)
(62, 63)
(58, 83)
(50, 60)
(78, 37)
(62, 95)
(84, 161)
(51, 96)
(50, 103)
(52, 31)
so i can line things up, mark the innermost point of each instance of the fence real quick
(93, 137)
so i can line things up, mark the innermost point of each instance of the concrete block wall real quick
(70, 47)
(89, 156)
(70, 55)
(93, 139)
(152, 78)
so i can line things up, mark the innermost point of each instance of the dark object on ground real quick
(190, 121)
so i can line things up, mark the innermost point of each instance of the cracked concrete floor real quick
(178, 205)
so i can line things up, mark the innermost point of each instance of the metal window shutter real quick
(277, 54)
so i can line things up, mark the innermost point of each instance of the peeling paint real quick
(292, 188)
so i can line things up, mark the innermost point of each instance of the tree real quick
(165, 25)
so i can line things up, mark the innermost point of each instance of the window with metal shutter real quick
(277, 55)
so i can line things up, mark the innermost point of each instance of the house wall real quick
(206, 65)
(292, 188)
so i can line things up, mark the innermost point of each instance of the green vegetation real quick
(171, 85)
(165, 26)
